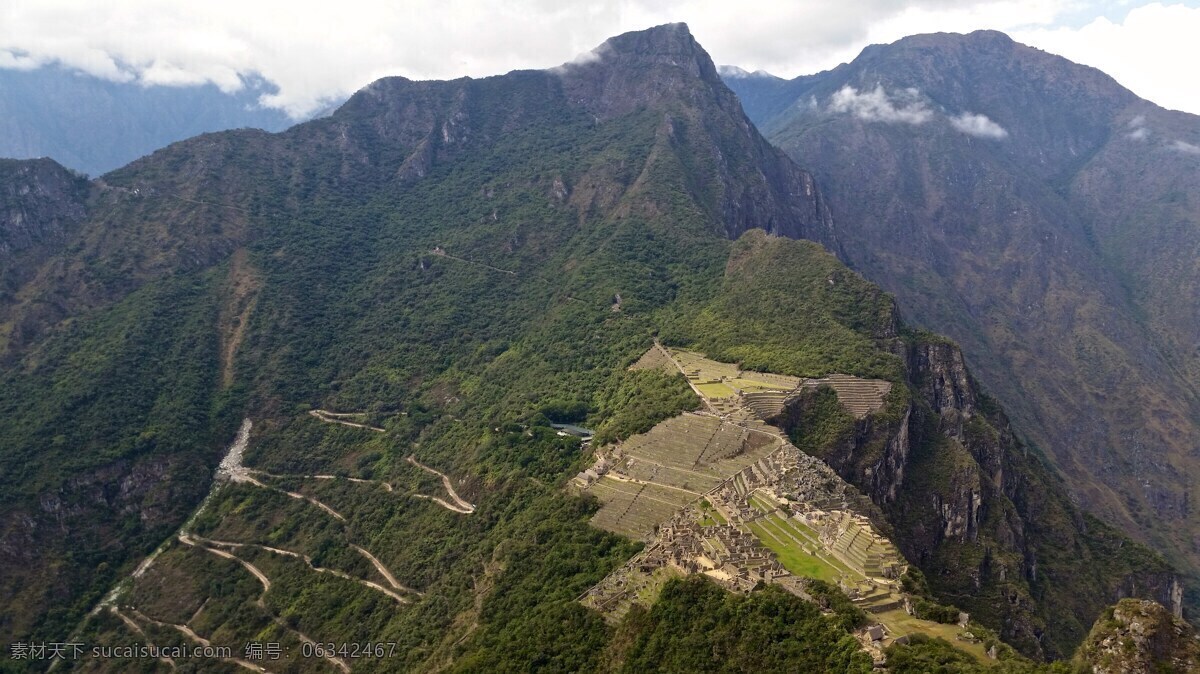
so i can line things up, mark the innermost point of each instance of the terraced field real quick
(728, 457)
(859, 396)
(676, 462)
(633, 509)
(654, 359)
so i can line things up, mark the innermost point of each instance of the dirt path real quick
(441, 253)
(444, 503)
(463, 506)
(332, 659)
(336, 418)
(142, 633)
(387, 486)
(191, 634)
(254, 570)
(383, 571)
(248, 476)
(204, 542)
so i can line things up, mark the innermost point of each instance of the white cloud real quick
(877, 106)
(314, 51)
(1184, 147)
(979, 126)
(1138, 130)
(1153, 50)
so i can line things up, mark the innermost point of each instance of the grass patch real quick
(900, 623)
(710, 516)
(715, 391)
(792, 556)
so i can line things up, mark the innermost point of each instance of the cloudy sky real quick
(315, 50)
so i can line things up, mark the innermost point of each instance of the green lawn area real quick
(792, 556)
(800, 531)
(715, 390)
(752, 386)
(710, 516)
(900, 623)
(803, 528)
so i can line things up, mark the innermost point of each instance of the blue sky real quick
(317, 50)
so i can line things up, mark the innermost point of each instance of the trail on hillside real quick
(131, 624)
(464, 506)
(254, 570)
(319, 569)
(383, 571)
(340, 418)
(205, 544)
(440, 252)
(191, 634)
(248, 477)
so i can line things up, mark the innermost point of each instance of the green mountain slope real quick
(407, 293)
(1045, 218)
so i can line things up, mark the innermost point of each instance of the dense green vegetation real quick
(637, 401)
(793, 309)
(134, 388)
(696, 626)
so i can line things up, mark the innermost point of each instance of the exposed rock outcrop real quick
(40, 202)
(1140, 637)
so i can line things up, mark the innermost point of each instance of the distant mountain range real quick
(95, 125)
(1045, 218)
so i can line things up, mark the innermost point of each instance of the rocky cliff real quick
(976, 509)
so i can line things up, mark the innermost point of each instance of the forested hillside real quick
(401, 299)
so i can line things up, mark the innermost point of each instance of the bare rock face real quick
(40, 201)
(1136, 637)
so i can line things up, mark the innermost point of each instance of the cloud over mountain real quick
(877, 106)
(980, 126)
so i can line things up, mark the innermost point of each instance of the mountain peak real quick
(668, 39)
(670, 45)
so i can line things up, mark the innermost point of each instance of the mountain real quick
(381, 329)
(95, 125)
(1046, 219)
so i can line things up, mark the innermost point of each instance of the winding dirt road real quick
(464, 506)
